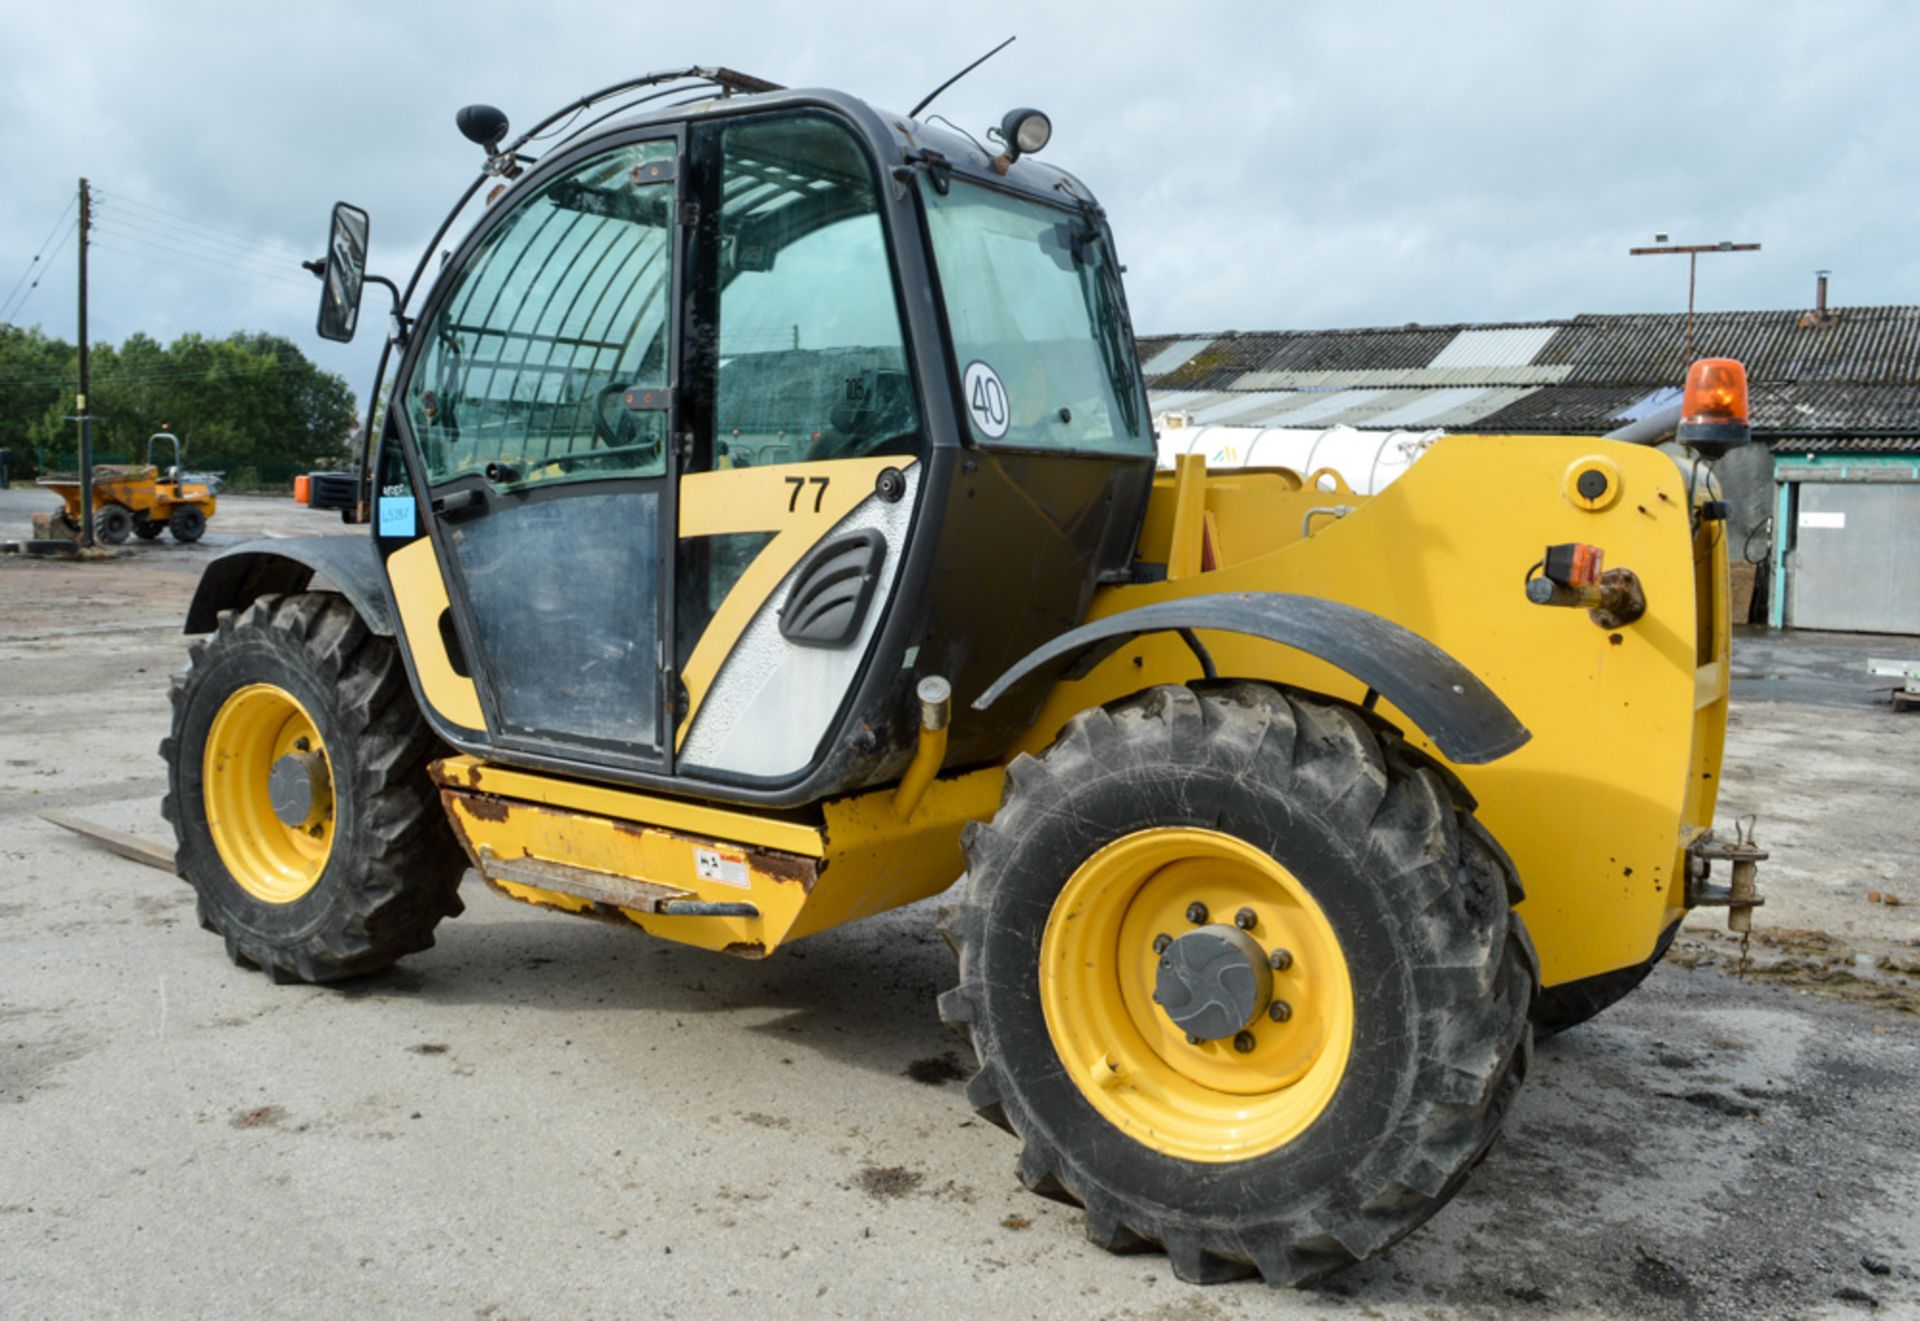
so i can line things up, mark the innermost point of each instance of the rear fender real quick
(1463, 717)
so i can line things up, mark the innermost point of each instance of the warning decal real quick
(722, 865)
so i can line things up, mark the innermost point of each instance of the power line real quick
(266, 263)
(201, 224)
(251, 266)
(41, 250)
(188, 265)
(47, 266)
(205, 266)
(223, 247)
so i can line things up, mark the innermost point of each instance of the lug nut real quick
(1196, 913)
(1279, 1011)
(1244, 919)
(1160, 943)
(1243, 1042)
(1192, 1040)
(1280, 960)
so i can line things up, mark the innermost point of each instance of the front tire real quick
(1407, 986)
(186, 523)
(299, 796)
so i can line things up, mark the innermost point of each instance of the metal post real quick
(85, 536)
(1693, 251)
(1693, 268)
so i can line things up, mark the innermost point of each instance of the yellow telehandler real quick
(764, 532)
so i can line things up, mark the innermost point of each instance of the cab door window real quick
(811, 360)
(805, 356)
(548, 361)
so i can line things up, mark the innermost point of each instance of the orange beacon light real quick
(1714, 416)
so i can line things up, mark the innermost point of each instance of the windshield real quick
(1039, 334)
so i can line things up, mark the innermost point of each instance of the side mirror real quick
(344, 275)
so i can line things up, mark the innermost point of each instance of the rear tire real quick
(112, 524)
(186, 523)
(376, 867)
(1439, 972)
(147, 529)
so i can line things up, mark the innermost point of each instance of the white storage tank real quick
(1367, 461)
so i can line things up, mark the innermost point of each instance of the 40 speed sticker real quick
(986, 400)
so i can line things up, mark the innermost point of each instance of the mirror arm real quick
(400, 322)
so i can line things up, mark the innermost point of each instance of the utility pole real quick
(1693, 251)
(85, 419)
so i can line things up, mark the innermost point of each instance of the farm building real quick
(1828, 499)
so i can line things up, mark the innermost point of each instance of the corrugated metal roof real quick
(1828, 408)
(1470, 414)
(1230, 408)
(1403, 378)
(1170, 355)
(1509, 346)
(1868, 345)
(1311, 410)
(1229, 356)
(1422, 408)
(1454, 408)
(1855, 375)
(1787, 447)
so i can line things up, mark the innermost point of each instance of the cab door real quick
(540, 405)
(802, 483)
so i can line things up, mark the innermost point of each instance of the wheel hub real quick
(299, 789)
(269, 793)
(1213, 981)
(1173, 932)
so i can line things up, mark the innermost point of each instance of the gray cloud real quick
(1271, 166)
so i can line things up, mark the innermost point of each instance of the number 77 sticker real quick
(986, 400)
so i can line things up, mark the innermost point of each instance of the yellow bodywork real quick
(854, 859)
(1597, 809)
(1621, 772)
(421, 595)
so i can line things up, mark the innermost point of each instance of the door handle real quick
(459, 505)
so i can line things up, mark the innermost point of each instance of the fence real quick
(239, 476)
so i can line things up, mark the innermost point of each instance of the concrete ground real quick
(543, 1117)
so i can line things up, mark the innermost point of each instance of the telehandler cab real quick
(764, 532)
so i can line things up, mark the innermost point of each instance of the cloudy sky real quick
(1267, 166)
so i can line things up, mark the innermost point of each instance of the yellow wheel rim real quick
(1211, 1101)
(272, 860)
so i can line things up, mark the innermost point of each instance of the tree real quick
(250, 399)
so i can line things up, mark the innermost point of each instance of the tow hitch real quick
(1740, 896)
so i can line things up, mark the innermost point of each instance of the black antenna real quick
(927, 100)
